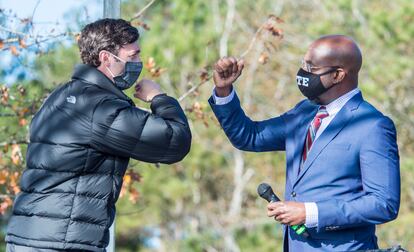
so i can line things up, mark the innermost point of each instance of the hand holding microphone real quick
(288, 212)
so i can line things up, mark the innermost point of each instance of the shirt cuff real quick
(311, 214)
(223, 100)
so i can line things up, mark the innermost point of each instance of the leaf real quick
(13, 184)
(151, 66)
(263, 59)
(16, 154)
(275, 18)
(279, 20)
(21, 90)
(3, 176)
(127, 179)
(5, 204)
(4, 92)
(135, 176)
(123, 191)
(150, 63)
(26, 20)
(77, 37)
(22, 122)
(203, 74)
(278, 32)
(22, 43)
(6, 148)
(14, 50)
(156, 72)
(133, 195)
(142, 24)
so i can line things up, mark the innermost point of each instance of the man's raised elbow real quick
(393, 212)
(180, 150)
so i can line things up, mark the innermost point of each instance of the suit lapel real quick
(299, 139)
(343, 117)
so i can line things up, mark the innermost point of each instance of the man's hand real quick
(288, 212)
(145, 90)
(226, 71)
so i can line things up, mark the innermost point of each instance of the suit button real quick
(293, 194)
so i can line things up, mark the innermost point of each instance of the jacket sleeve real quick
(380, 174)
(120, 129)
(248, 135)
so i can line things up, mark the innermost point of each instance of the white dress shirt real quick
(333, 108)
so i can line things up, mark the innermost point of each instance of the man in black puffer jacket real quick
(81, 140)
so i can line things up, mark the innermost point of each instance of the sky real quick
(51, 11)
(49, 17)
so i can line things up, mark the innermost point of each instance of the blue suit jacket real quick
(352, 171)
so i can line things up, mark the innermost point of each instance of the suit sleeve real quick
(121, 129)
(380, 172)
(248, 135)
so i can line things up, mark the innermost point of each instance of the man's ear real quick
(104, 58)
(339, 75)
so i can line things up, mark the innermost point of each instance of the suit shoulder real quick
(301, 106)
(367, 110)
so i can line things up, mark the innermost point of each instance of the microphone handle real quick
(299, 229)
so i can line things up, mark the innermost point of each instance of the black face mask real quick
(310, 84)
(132, 70)
(129, 76)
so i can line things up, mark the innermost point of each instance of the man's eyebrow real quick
(133, 52)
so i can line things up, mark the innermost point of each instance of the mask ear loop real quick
(117, 58)
(328, 72)
(107, 68)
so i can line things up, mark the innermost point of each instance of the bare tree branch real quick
(252, 42)
(6, 196)
(194, 88)
(231, 7)
(2, 144)
(139, 14)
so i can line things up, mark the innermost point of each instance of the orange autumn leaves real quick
(130, 178)
(9, 177)
(9, 182)
(16, 111)
(272, 38)
(21, 43)
(152, 68)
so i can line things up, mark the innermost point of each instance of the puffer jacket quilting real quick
(80, 144)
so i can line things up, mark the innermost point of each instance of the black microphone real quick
(265, 191)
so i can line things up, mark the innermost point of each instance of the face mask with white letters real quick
(310, 84)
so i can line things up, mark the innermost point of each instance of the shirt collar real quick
(338, 103)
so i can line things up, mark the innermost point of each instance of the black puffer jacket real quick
(80, 144)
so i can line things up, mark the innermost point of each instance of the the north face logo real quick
(71, 99)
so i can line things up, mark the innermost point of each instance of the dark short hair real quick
(105, 34)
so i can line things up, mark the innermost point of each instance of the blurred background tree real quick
(208, 202)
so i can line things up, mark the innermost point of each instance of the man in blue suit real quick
(342, 161)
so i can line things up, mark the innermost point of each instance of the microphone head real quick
(265, 191)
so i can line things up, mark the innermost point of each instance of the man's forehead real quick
(318, 52)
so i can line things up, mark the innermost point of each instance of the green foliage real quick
(56, 67)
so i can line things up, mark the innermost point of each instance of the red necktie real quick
(313, 128)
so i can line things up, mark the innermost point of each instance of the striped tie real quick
(313, 128)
